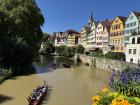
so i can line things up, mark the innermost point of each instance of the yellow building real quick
(116, 39)
(85, 31)
(73, 39)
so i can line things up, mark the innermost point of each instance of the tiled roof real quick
(122, 18)
(107, 23)
(136, 13)
(71, 31)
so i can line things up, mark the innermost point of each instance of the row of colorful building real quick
(119, 35)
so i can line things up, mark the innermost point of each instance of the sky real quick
(61, 15)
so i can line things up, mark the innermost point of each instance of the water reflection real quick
(73, 86)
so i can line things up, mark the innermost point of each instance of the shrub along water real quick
(65, 51)
(4, 74)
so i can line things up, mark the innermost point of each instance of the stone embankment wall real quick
(106, 64)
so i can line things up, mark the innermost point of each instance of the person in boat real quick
(54, 66)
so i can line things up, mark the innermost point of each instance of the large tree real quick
(20, 28)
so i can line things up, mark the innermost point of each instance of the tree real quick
(20, 32)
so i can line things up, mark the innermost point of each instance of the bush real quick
(87, 52)
(60, 50)
(80, 49)
(126, 82)
(65, 51)
(114, 98)
(115, 55)
(17, 55)
(97, 53)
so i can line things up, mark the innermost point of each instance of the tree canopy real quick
(20, 28)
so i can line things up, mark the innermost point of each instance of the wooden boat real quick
(66, 65)
(37, 95)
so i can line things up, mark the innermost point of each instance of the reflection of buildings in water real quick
(90, 79)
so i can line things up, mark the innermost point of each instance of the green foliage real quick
(126, 82)
(87, 52)
(16, 54)
(60, 50)
(114, 98)
(45, 37)
(4, 74)
(97, 53)
(80, 49)
(20, 33)
(115, 55)
(65, 51)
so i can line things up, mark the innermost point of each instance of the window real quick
(138, 40)
(127, 31)
(130, 24)
(134, 23)
(118, 41)
(130, 51)
(131, 60)
(121, 48)
(134, 51)
(133, 40)
(116, 21)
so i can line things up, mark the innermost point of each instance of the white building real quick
(133, 49)
(105, 37)
(91, 37)
(99, 35)
(60, 39)
(105, 40)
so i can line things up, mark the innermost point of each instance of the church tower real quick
(90, 21)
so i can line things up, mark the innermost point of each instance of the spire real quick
(90, 22)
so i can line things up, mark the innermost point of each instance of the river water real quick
(74, 86)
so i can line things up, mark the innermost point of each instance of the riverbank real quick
(105, 64)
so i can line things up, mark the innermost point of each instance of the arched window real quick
(138, 40)
(133, 40)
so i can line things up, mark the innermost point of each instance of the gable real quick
(116, 21)
(131, 17)
(99, 25)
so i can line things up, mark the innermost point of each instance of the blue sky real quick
(61, 15)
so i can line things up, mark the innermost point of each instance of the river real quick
(74, 86)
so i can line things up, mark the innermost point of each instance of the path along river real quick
(74, 86)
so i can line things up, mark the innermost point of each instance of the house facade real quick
(91, 37)
(60, 38)
(106, 34)
(133, 49)
(116, 40)
(73, 38)
(84, 33)
(132, 25)
(99, 35)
